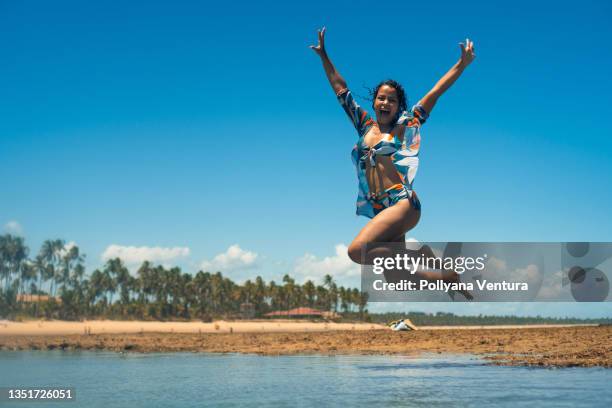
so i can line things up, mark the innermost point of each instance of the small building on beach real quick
(27, 298)
(247, 310)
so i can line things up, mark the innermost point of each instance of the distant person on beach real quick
(386, 158)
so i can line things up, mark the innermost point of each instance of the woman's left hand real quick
(467, 56)
(467, 52)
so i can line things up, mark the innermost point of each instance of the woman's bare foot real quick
(466, 294)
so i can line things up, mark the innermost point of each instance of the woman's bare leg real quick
(449, 275)
(390, 226)
(386, 227)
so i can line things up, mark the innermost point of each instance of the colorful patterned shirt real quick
(404, 154)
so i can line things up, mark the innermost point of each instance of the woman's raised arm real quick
(467, 56)
(335, 79)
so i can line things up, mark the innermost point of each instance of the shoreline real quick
(90, 327)
(62, 327)
(558, 346)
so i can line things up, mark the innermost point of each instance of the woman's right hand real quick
(467, 52)
(320, 48)
(335, 79)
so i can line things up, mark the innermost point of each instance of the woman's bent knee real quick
(354, 252)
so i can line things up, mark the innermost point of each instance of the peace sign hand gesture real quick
(467, 52)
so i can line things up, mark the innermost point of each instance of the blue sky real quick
(188, 129)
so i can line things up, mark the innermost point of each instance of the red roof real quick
(300, 311)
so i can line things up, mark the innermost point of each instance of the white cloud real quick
(339, 266)
(13, 227)
(235, 258)
(553, 288)
(136, 255)
(530, 274)
(497, 270)
(496, 265)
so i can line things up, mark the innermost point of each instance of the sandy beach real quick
(544, 346)
(41, 327)
(56, 327)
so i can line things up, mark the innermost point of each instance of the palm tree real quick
(159, 284)
(355, 297)
(333, 293)
(4, 260)
(121, 278)
(232, 297)
(217, 291)
(39, 264)
(363, 301)
(290, 291)
(50, 253)
(187, 293)
(202, 293)
(260, 295)
(78, 272)
(248, 291)
(27, 275)
(145, 284)
(344, 300)
(70, 258)
(322, 298)
(80, 289)
(109, 285)
(329, 283)
(13, 254)
(309, 292)
(96, 285)
(173, 288)
(272, 295)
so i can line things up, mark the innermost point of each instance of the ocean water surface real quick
(106, 379)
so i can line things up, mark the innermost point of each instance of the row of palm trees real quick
(155, 292)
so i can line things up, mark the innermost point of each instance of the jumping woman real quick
(386, 158)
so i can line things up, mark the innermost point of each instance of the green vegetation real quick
(154, 293)
(158, 293)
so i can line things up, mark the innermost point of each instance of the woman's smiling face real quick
(386, 105)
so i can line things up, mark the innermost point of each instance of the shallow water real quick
(104, 379)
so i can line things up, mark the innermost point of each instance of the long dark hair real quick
(401, 94)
